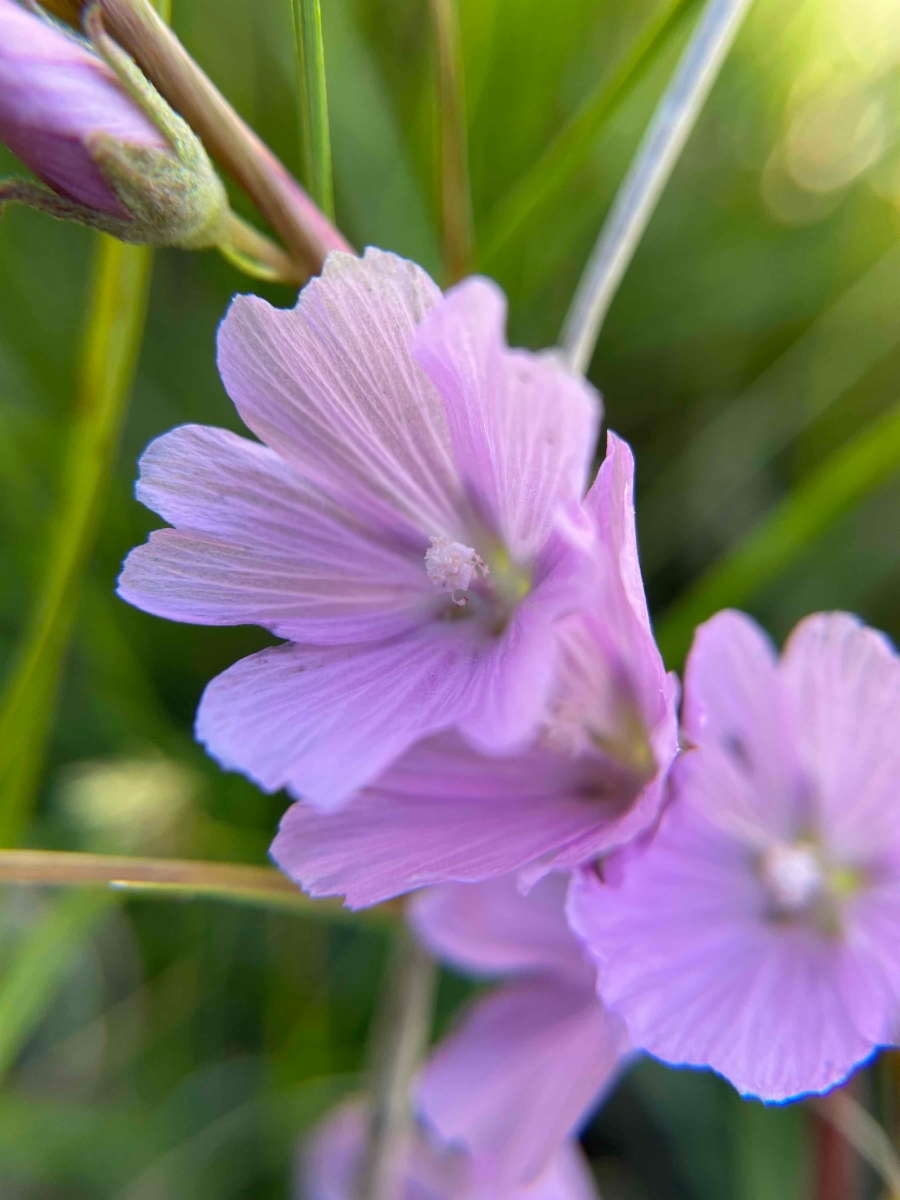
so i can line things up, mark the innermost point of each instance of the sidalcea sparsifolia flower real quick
(330, 1162)
(111, 153)
(759, 932)
(515, 1081)
(412, 524)
(592, 780)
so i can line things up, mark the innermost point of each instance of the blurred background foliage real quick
(155, 1048)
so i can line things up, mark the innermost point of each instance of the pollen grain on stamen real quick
(450, 566)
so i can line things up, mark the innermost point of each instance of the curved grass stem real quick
(861, 1131)
(636, 200)
(305, 230)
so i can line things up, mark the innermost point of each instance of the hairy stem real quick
(663, 141)
(307, 232)
(401, 1035)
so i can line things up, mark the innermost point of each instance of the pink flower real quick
(593, 781)
(515, 1081)
(412, 525)
(329, 1167)
(56, 97)
(759, 933)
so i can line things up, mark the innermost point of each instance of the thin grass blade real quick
(789, 528)
(113, 340)
(570, 150)
(456, 198)
(315, 134)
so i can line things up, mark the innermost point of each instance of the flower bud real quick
(110, 150)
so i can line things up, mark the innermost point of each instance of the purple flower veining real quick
(517, 1079)
(329, 1164)
(593, 780)
(758, 934)
(56, 95)
(411, 524)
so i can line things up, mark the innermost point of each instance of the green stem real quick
(548, 177)
(456, 199)
(114, 333)
(786, 531)
(315, 137)
(256, 255)
(399, 1041)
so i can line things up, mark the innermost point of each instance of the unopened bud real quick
(110, 151)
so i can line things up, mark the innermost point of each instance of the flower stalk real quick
(861, 1131)
(260, 886)
(634, 205)
(305, 230)
(402, 1031)
(456, 200)
(108, 150)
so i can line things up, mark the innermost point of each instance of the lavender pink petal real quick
(687, 957)
(843, 682)
(522, 1073)
(255, 543)
(332, 387)
(329, 1163)
(492, 928)
(322, 722)
(523, 427)
(444, 813)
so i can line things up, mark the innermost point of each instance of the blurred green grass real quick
(188, 1045)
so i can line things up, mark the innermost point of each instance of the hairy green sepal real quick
(173, 195)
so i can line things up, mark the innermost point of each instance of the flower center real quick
(793, 876)
(450, 566)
